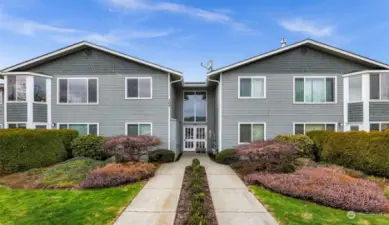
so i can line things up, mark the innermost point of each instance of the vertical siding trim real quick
(5, 102)
(365, 100)
(220, 112)
(30, 100)
(169, 110)
(48, 101)
(345, 102)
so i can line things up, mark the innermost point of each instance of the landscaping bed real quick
(195, 204)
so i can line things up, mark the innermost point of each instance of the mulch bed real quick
(184, 204)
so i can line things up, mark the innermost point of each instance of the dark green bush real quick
(195, 162)
(21, 150)
(67, 137)
(197, 210)
(226, 157)
(319, 137)
(368, 152)
(302, 143)
(161, 155)
(90, 146)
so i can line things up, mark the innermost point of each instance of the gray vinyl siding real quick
(172, 102)
(211, 115)
(277, 110)
(355, 112)
(379, 111)
(17, 112)
(40, 113)
(113, 110)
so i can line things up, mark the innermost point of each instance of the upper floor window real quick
(77, 90)
(137, 129)
(16, 88)
(303, 128)
(139, 88)
(314, 89)
(39, 89)
(249, 132)
(252, 87)
(83, 129)
(1, 96)
(355, 88)
(379, 86)
(195, 106)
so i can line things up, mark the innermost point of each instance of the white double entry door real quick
(195, 136)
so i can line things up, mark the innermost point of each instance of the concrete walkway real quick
(156, 203)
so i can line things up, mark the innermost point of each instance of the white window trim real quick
(379, 123)
(206, 107)
(379, 89)
(67, 124)
(45, 102)
(251, 123)
(17, 123)
(16, 93)
(252, 77)
(139, 78)
(319, 123)
(325, 89)
(87, 91)
(139, 123)
(2, 97)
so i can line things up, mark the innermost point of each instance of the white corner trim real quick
(252, 89)
(295, 45)
(319, 123)
(5, 102)
(48, 101)
(139, 123)
(366, 102)
(30, 101)
(220, 112)
(87, 91)
(251, 123)
(138, 78)
(325, 89)
(25, 74)
(346, 100)
(169, 109)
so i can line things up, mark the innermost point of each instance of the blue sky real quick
(182, 34)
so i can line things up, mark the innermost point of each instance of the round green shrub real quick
(302, 143)
(226, 157)
(161, 155)
(90, 146)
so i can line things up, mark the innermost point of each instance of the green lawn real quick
(59, 207)
(290, 211)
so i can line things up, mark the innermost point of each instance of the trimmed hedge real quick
(368, 152)
(161, 155)
(197, 211)
(21, 149)
(319, 137)
(90, 146)
(226, 157)
(301, 142)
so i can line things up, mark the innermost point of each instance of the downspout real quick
(220, 112)
(170, 84)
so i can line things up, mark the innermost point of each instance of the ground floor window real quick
(137, 129)
(17, 125)
(303, 128)
(82, 128)
(249, 132)
(379, 126)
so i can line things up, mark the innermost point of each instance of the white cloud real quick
(310, 27)
(212, 16)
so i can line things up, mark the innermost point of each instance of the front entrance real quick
(195, 137)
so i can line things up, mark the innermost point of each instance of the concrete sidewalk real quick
(156, 203)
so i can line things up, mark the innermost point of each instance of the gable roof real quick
(83, 44)
(308, 42)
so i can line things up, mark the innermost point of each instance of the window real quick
(379, 87)
(78, 90)
(137, 129)
(355, 88)
(40, 127)
(17, 125)
(16, 88)
(379, 126)
(1, 96)
(303, 128)
(252, 87)
(249, 132)
(354, 127)
(83, 129)
(138, 88)
(195, 106)
(315, 89)
(39, 89)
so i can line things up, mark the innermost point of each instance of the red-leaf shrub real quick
(271, 156)
(118, 174)
(129, 148)
(326, 187)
